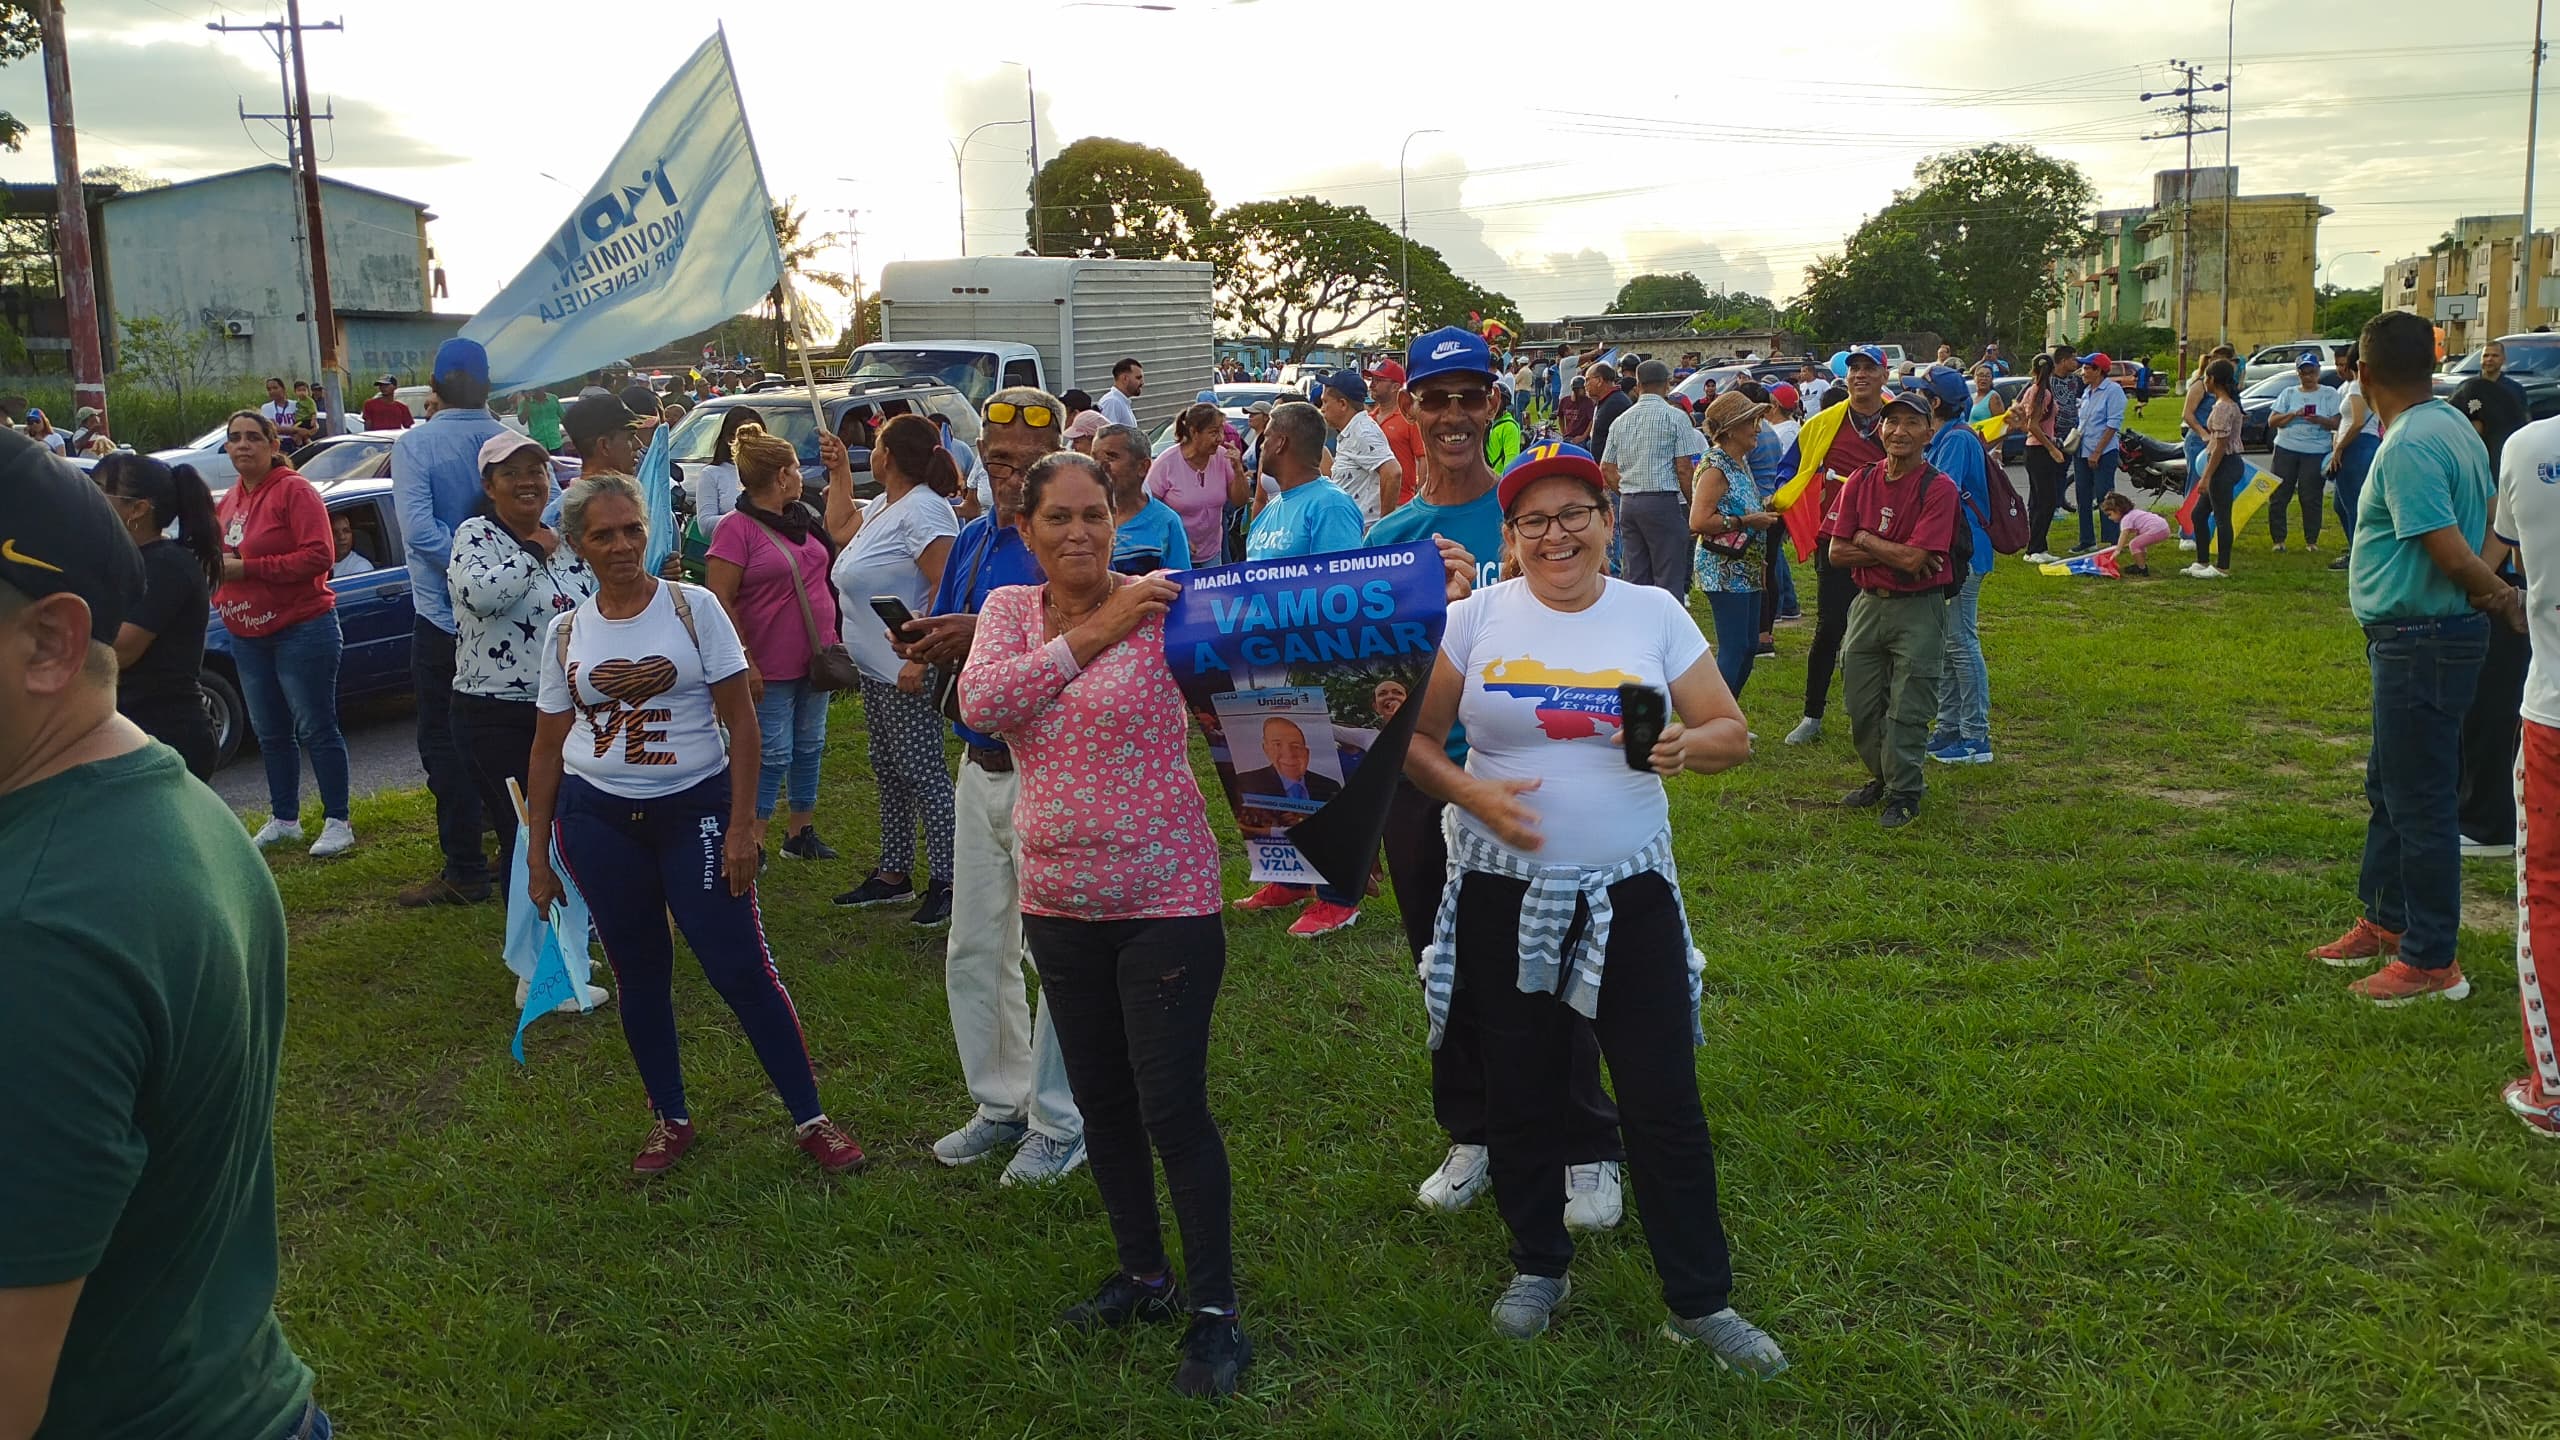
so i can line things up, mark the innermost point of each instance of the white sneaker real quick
(2207, 572)
(2186, 544)
(2195, 572)
(1041, 1160)
(2040, 558)
(2486, 849)
(596, 995)
(1808, 730)
(1459, 1180)
(1594, 1196)
(337, 837)
(978, 1139)
(276, 832)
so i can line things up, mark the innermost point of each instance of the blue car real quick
(374, 610)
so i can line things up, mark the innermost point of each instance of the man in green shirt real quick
(141, 1012)
(540, 412)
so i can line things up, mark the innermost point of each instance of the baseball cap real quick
(85, 414)
(498, 447)
(1911, 400)
(2310, 361)
(1555, 457)
(1259, 407)
(1449, 350)
(58, 535)
(1944, 382)
(1348, 384)
(598, 414)
(1388, 370)
(391, 380)
(2099, 359)
(466, 356)
(1869, 353)
(1205, 397)
(1785, 395)
(1086, 423)
(1680, 403)
(640, 400)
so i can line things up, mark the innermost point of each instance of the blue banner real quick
(1305, 675)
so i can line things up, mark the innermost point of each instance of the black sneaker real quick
(875, 891)
(1768, 649)
(805, 845)
(935, 912)
(1864, 796)
(1214, 1354)
(1899, 811)
(1125, 1300)
(2340, 563)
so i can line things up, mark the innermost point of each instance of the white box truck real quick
(989, 321)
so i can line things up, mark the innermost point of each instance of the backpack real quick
(2007, 522)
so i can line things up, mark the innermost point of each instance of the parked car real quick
(2533, 359)
(2258, 399)
(207, 454)
(375, 612)
(1235, 402)
(786, 414)
(2280, 359)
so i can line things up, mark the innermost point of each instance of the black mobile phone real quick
(893, 612)
(1641, 713)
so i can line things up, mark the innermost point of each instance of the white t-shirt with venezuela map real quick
(1541, 702)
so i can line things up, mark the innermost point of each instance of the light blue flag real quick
(550, 985)
(657, 488)
(549, 952)
(675, 237)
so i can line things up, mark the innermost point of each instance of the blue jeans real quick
(2348, 486)
(1964, 686)
(1737, 620)
(2424, 675)
(313, 1424)
(290, 682)
(791, 721)
(2092, 479)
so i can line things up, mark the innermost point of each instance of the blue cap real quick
(1449, 350)
(1205, 397)
(2310, 358)
(466, 356)
(1944, 382)
(1872, 354)
(1347, 383)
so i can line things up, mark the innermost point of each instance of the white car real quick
(2281, 359)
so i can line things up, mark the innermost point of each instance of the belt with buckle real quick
(995, 760)
(1880, 593)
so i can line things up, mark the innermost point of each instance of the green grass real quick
(2033, 1120)
(143, 416)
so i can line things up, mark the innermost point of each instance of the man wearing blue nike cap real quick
(436, 485)
(1450, 378)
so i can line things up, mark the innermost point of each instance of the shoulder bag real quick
(831, 666)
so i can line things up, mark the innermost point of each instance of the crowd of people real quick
(1012, 596)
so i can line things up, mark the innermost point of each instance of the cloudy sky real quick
(1569, 149)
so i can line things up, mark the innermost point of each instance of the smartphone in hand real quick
(1642, 710)
(893, 612)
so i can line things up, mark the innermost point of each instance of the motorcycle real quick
(2155, 465)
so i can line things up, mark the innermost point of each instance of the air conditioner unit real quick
(239, 329)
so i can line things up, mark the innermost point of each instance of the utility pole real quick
(286, 36)
(2532, 139)
(2187, 111)
(1031, 100)
(301, 241)
(2230, 173)
(71, 199)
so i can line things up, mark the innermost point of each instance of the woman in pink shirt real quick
(769, 558)
(1119, 900)
(1200, 477)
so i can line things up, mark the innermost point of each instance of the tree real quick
(169, 352)
(1304, 271)
(1119, 199)
(1886, 280)
(123, 177)
(21, 35)
(807, 318)
(2121, 340)
(1736, 310)
(2343, 312)
(1648, 293)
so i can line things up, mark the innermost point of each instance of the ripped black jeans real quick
(1131, 1000)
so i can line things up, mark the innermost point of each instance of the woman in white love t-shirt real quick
(632, 780)
(1562, 898)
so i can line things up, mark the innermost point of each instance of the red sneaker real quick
(1275, 896)
(2363, 941)
(2399, 982)
(826, 1142)
(667, 1142)
(1323, 918)
(2539, 1112)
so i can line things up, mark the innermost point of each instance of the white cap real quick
(498, 447)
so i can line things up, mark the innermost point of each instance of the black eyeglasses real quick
(1574, 518)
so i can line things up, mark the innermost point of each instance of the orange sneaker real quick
(2399, 982)
(1323, 918)
(2363, 941)
(1275, 896)
(2537, 1110)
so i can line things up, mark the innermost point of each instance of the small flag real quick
(2096, 562)
(657, 488)
(548, 953)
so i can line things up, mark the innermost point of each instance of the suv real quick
(2533, 360)
(2280, 359)
(866, 404)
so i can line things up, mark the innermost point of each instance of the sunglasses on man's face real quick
(1443, 399)
(1005, 412)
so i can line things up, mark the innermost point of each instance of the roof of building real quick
(227, 175)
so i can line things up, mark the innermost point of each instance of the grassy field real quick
(2033, 1120)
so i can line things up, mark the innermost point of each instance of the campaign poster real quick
(1305, 675)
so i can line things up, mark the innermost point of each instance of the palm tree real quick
(799, 251)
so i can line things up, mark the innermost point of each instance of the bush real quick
(143, 416)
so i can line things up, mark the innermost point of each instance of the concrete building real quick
(2144, 258)
(2470, 285)
(217, 255)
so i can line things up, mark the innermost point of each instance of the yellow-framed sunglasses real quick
(1005, 412)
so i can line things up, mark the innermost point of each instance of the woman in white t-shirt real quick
(1562, 897)
(715, 487)
(632, 779)
(895, 546)
(2351, 454)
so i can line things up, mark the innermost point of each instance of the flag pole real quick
(791, 315)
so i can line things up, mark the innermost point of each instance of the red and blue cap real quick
(1872, 354)
(1555, 457)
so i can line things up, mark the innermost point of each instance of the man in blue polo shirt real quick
(1008, 1054)
(1450, 377)
(2415, 579)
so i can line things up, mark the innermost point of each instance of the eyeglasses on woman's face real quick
(1574, 518)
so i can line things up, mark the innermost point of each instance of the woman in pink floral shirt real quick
(1120, 903)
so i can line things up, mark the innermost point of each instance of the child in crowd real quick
(2137, 530)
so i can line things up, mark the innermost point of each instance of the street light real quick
(1404, 235)
(2230, 178)
(960, 179)
(2332, 261)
